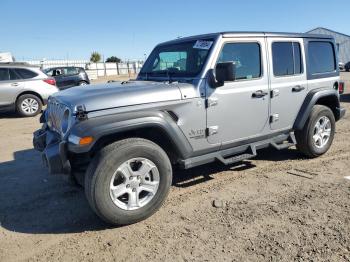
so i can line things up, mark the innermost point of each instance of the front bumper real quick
(53, 150)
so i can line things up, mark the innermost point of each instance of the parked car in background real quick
(67, 77)
(24, 88)
(341, 66)
(347, 66)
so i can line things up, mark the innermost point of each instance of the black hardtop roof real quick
(249, 34)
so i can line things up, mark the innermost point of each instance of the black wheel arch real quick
(30, 93)
(158, 127)
(326, 97)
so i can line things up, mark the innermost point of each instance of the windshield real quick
(180, 59)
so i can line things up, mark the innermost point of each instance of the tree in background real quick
(113, 59)
(95, 57)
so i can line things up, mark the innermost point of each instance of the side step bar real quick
(291, 141)
(240, 153)
(238, 158)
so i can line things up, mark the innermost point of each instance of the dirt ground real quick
(276, 207)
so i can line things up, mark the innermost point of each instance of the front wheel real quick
(128, 181)
(318, 132)
(28, 105)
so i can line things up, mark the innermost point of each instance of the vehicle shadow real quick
(202, 174)
(34, 202)
(4, 115)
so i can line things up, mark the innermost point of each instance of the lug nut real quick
(134, 190)
(131, 178)
(127, 186)
(138, 177)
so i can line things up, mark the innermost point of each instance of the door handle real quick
(298, 88)
(259, 93)
(14, 84)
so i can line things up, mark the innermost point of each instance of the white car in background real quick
(24, 88)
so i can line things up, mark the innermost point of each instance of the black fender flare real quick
(99, 127)
(311, 99)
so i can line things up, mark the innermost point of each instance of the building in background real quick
(342, 41)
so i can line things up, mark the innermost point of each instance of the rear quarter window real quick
(321, 57)
(25, 73)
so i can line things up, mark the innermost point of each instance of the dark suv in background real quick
(68, 76)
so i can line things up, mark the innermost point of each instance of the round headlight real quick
(65, 121)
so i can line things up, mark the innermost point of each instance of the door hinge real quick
(211, 101)
(275, 93)
(212, 130)
(274, 118)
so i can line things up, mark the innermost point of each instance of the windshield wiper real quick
(166, 72)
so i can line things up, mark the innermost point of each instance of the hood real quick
(116, 94)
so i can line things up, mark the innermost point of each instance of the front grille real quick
(55, 112)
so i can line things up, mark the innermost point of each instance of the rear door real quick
(71, 75)
(11, 85)
(288, 81)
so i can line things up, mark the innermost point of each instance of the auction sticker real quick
(202, 44)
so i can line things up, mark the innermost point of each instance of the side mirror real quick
(223, 72)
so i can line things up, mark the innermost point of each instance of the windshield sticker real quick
(202, 44)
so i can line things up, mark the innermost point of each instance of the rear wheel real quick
(28, 105)
(82, 83)
(128, 181)
(317, 135)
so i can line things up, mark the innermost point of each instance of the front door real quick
(239, 110)
(288, 81)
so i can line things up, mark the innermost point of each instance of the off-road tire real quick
(20, 100)
(304, 137)
(104, 165)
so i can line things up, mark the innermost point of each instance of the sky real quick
(72, 29)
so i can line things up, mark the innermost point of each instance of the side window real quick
(286, 58)
(321, 57)
(25, 73)
(4, 74)
(49, 72)
(57, 72)
(69, 71)
(14, 75)
(245, 56)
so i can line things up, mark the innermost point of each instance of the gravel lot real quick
(276, 207)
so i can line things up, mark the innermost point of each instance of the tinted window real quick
(4, 74)
(25, 73)
(321, 57)
(286, 58)
(246, 57)
(298, 64)
(14, 75)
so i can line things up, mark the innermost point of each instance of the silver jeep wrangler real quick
(215, 97)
